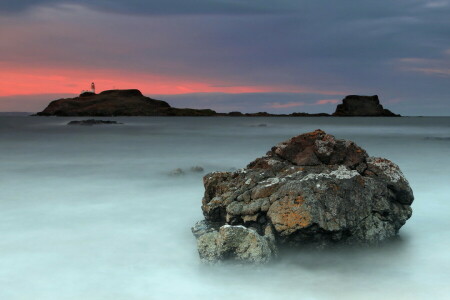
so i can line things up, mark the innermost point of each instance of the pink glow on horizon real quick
(297, 104)
(287, 105)
(327, 101)
(31, 81)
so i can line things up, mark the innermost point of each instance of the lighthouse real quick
(93, 87)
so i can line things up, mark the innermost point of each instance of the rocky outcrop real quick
(117, 103)
(312, 189)
(92, 122)
(233, 242)
(362, 106)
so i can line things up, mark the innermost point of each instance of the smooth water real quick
(91, 213)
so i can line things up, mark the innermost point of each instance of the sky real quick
(277, 56)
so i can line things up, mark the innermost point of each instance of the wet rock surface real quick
(312, 189)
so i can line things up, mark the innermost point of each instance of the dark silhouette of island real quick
(362, 106)
(117, 103)
(132, 103)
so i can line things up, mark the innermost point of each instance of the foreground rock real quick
(233, 242)
(117, 103)
(311, 189)
(92, 122)
(362, 106)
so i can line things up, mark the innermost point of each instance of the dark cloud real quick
(160, 7)
(398, 49)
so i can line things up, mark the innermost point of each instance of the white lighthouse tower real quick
(93, 87)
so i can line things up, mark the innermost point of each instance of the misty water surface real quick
(91, 213)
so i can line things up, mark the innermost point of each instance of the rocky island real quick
(133, 103)
(362, 106)
(117, 103)
(312, 189)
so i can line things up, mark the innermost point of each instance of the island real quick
(362, 106)
(117, 103)
(132, 102)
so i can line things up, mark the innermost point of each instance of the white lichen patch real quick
(341, 173)
(293, 175)
(324, 147)
(272, 162)
(248, 181)
(242, 171)
(271, 181)
(234, 226)
(387, 168)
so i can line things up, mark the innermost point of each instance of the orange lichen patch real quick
(358, 150)
(299, 200)
(289, 215)
(315, 133)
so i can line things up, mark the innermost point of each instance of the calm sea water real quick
(91, 213)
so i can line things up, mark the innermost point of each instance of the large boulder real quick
(362, 106)
(311, 189)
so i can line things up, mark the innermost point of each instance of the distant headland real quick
(132, 103)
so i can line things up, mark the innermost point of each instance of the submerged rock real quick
(311, 189)
(91, 122)
(197, 169)
(176, 172)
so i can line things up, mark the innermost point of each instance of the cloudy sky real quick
(249, 55)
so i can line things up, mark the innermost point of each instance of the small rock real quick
(176, 172)
(197, 169)
(234, 243)
(92, 122)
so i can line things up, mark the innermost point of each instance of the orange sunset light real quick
(22, 81)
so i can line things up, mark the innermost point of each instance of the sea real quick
(93, 212)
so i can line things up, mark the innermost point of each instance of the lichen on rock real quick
(311, 189)
(236, 242)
